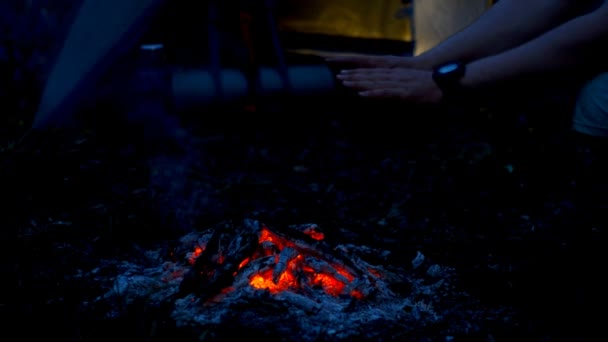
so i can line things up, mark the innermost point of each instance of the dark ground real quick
(486, 191)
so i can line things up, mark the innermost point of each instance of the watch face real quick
(448, 68)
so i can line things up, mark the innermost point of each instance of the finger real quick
(386, 80)
(367, 71)
(371, 84)
(360, 85)
(361, 78)
(369, 75)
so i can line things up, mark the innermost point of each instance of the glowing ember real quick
(314, 232)
(195, 254)
(243, 263)
(288, 280)
(279, 262)
(263, 280)
(280, 283)
(298, 272)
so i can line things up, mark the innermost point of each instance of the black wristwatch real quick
(447, 76)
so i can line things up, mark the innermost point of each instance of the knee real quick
(591, 109)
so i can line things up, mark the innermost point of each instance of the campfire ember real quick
(268, 260)
(281, 282)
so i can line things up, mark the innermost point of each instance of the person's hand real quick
(387, 61)
(409, 85)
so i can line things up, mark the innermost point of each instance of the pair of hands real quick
(388, 77)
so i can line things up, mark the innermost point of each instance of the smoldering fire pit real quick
(289, 284)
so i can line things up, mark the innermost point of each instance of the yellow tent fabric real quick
(376, 19)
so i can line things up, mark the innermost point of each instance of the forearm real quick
(506, 24)
(577, 43)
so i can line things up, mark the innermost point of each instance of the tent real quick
(435, 20)
(101, 31)
(104, 29)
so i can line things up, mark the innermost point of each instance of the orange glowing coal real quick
(314, 233)
(198, 250)
(297, 270)
(293, 267)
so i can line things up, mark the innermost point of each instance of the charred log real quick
(291, 258)
(215, 268)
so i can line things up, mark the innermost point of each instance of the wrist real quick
(423, 62)
(448, 77)
(453, 81)
(470, 79)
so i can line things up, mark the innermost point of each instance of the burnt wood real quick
(214, 269)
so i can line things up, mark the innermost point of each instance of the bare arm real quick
(578, 43)
(506, 24)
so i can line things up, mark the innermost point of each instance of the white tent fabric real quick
(93, 41)
(435, 20)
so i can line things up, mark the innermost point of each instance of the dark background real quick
(485, 189)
